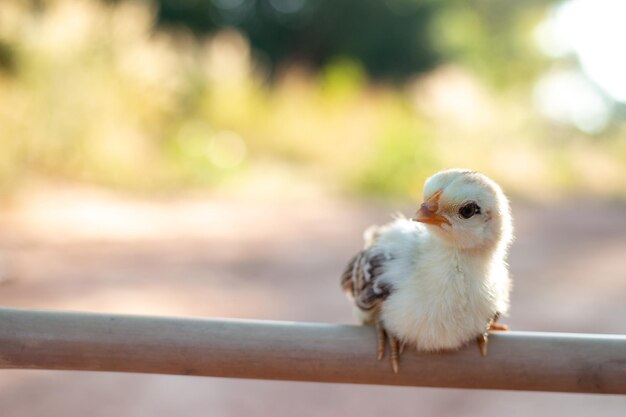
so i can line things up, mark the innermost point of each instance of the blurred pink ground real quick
(277, 259)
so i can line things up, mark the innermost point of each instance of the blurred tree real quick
(389, 37)
(493, 38)
(393, 39)
(7, 58)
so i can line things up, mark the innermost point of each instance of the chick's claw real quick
(483, 340)
(395, 353)
(493, 324)
(395, 346)
(381, 336)
(498, 327)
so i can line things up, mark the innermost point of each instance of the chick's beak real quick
(426, 215)
(428, 211)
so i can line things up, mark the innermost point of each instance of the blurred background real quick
(222, 157)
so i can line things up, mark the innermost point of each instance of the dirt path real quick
(237, 257)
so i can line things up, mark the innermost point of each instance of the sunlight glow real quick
(594, 31)
(569, 98)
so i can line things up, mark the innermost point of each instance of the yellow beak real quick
(428, 211)
(424, 215)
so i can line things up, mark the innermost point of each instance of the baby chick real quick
(439, 280)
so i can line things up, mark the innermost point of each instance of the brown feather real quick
(360, 280)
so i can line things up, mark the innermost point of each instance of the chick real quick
(441, 279)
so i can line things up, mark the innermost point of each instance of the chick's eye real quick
(469, 210)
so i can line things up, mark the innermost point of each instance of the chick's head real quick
(466, 209)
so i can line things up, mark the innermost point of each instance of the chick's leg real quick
(395, 354)
(497, 326)
(381, 336)
(396, 348)
(483, 339)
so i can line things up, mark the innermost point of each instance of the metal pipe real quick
(303, 352)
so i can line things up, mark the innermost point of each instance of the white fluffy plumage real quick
(439, 280)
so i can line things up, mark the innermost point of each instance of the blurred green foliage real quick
(7, 58)
(492, 37)
(391, 38)
(99, 92)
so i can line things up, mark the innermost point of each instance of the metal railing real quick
(303, 352)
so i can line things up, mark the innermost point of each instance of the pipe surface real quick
(303, 352)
